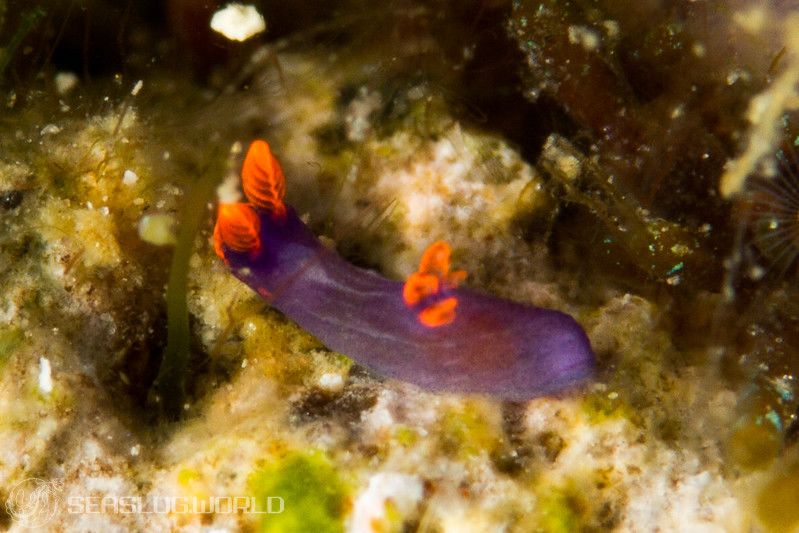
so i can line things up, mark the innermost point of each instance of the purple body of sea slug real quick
(425, 331)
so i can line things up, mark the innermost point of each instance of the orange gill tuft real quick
(439, 313)
(433, 277)
(419, 286)
(435, 259)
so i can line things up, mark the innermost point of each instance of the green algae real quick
(10, 339)
(776, 504)
(406, 436)
(282, 349)
(466, 430)
(170, 383)
(753, 445)
(558, 512)
(756, 439)
(659, 249)
(573, 504)
(188, 475)
(29, 21)
(313, 493)
(601, 407)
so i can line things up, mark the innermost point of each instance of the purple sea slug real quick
(426, 331)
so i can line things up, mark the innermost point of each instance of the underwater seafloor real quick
(632, 164)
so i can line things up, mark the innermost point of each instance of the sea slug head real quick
(238, 225)
(426, 290)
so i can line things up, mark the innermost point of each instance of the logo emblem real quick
(33, 502)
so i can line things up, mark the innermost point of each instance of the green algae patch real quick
(10, 340)
(754, 444)
(756, 438)
(406, 436)
(313, 494)
(558, 512)
(281, 349)
(602, 406)
(777, 505)
(188, 475)
(469, 429)
(573, 504)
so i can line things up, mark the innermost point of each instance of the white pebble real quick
(136, 88)
(50, 129)
(65, 82)
(228, 191)
(158, 229)
(585, 37)
(129, 177)
(238, 22)
(45, 376)
(331, 382)
(403, 491)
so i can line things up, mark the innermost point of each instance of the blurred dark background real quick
(99, 37)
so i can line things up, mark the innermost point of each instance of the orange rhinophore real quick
(440, 313)
(456, 278)
(237, 227)
(435, 260)
(433, 278)
(262, 179)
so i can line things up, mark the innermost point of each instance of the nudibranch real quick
(427, 331)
